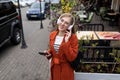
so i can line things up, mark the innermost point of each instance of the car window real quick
(3, 10)
(37, 5)
(14, 0)
(6, 9)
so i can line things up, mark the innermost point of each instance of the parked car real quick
(22, 3)
(10, 29)
(29, 2)
(15, 3)
(52, 1)
(34, 11)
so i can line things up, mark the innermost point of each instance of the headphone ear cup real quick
(58, 21)
(70, 27)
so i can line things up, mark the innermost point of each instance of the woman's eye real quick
(64, 22)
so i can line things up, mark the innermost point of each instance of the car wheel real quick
(16, 37)
(45, 16)
(28, 18)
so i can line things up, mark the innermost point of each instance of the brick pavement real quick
(26, 64)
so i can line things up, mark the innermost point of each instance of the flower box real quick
(96, 76)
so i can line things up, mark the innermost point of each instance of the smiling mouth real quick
(61, 27)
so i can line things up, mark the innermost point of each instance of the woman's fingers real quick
(68, 35)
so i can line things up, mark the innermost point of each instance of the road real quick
(32, 30)
(26, 64)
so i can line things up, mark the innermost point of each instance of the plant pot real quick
(96, 76)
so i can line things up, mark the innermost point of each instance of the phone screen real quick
(42, 53)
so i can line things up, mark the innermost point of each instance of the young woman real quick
(63, 48)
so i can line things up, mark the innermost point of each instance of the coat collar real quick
(55, 34)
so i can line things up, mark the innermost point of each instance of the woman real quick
(63, 48)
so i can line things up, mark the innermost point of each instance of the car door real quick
(5, 23)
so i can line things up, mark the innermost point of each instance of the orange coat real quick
(60, 67)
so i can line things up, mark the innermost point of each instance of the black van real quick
(10, 29)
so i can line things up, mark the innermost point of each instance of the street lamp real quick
(49, 9)
(41, 24)
(22, 35)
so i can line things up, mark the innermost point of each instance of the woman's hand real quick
(48, 55)
(67, 35)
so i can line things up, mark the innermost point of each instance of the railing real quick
(99, 53)
(101, 59)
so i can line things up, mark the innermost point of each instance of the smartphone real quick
(42, 53)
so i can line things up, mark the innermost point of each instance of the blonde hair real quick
(68, 15)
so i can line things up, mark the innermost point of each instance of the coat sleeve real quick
(49, 49)
(51, 37)
(70, 48)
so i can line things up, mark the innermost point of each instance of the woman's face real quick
(64, 23)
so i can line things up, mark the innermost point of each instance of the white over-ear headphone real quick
(70, 27)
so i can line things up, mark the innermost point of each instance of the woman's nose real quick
(62, 22)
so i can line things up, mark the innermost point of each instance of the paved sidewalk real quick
(26, 64)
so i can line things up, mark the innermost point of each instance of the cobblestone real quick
(26, 64)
